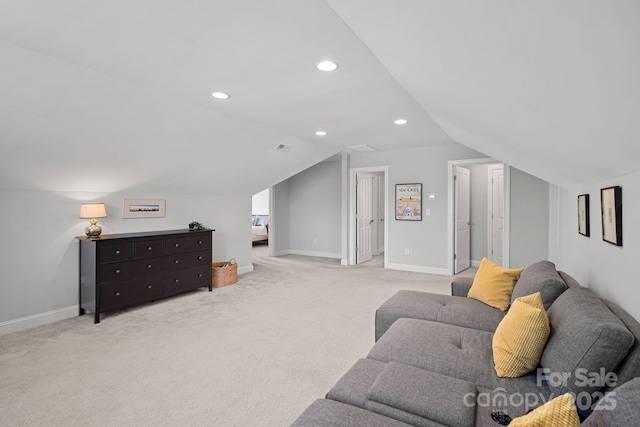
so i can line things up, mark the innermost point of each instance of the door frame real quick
(351, 233)
(450, 249)
(456, 240)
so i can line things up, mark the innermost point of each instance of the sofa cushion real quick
(438, 308)
(558, 412)
(405, 393)
(629, 368)
(540, 277)
(520, 337)
(620, 408)
(426, 394)
(494, 284)
(586, 339)
(450, 350)
(353, 386)
(329, 413)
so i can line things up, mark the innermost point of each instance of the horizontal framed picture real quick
(611, 200)
(409, 202)
(143, 208)
(583, 215)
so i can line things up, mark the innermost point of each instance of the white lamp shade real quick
(93, 210)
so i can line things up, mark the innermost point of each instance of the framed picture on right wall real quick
(611, 201)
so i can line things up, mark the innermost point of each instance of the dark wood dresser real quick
(119, 270)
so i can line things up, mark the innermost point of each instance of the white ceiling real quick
(116, 96)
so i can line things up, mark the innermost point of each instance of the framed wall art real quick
(143, 208)
(409, 202)
(611, 200)
(583, 215)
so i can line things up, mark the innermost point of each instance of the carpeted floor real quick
(255, 353)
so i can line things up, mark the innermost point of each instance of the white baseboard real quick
(418, 269)
(475, 263)
(316, 254)
(309, 253)
(40, 319)
(245, 269)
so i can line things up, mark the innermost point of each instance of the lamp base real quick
(93, 230)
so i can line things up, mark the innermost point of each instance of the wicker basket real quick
(224, 273)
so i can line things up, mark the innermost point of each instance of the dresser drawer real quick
(187, 260)
(147, 248)
(131, 291)
(200, 241)
(176, 245)
(112, 252)
(130, 269)
(180, 281)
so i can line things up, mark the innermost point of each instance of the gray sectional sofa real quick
(432, 363)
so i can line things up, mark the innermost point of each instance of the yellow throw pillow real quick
(558, 412)
(520, 337)
(493, 285)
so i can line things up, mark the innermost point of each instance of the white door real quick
(364, 217)
(462, 257)
(496, 214)
(381, 213)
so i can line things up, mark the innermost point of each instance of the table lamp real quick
(93, 211)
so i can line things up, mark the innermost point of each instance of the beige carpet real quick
(256, 353)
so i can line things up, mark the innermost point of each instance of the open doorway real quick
(260, 221)
(368, 202)
(478, 213)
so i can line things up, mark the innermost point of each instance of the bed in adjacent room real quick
(260, 228)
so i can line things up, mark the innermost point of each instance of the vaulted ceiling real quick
(116, 96)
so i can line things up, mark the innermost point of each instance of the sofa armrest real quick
(460, 286)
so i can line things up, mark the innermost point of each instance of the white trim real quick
(39, 319)
(245, 269)
(333, 255)
(450, 208)
(315, 254)
(351, 260)
(506, 236)
(475, 263)
(418, 269)
(490, 168)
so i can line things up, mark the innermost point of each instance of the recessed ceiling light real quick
(400, 122)
(327, 66)
(220, 95)
(321, 133)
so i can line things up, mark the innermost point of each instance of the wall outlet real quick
(406, 251)
(315, 241)
(427, 212)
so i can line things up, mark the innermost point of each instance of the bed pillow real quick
(520, 337)
(493, 284)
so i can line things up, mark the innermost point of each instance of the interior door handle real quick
(371, 222)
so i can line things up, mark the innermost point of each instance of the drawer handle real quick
(149, 266)
(149, 248)
(200, 275)
(117, 294)
(117, 271)
(117, 251)
(177, 261)
(176, 244)
(176, 280)
(149, 286)
(199, 242)
(200, 257)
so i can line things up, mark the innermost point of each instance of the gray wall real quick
(314, 211)
(608, 269)
(39, 267)
(479, 210)
(529, 219)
